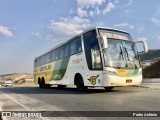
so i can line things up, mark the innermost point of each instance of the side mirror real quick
(141, 46)
(104, 42)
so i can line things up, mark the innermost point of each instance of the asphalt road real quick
(69, 99)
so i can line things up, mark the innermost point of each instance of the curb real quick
(154, 86)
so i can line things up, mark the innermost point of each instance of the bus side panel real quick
(60, 69)
(44, 71)
(92, 77)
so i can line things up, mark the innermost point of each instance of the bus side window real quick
(75, 46)
(48, 57)
(38, 62)
(35, 63)
(78, 45)
(61, 52)
(55, 54)
(66, 50)
(96, 59)
(42, 60)
(91, 47)
(72, 47)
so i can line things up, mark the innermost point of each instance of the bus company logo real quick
(45, 68)
(92, 79)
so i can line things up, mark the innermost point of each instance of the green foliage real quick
(152, 71)
(151, 54)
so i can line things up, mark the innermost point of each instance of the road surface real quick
(68, 99)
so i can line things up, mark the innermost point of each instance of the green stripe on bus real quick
(60, 68)
(132, 72)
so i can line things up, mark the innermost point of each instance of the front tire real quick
(80, 84)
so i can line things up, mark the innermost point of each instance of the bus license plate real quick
(128, 81)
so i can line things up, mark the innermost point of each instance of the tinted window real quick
(66, 50)
(55, 54)
(42, 60)
(48, 57)
(61, 52)
(38, 62)
(75, 46)
(92, 50)
(35, 63)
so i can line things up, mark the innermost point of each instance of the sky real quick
(29, 28)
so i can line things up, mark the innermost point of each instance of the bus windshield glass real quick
(121, 54)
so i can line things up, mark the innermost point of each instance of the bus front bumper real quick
(111, 80)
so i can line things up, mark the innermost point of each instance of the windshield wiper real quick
(128, 55)
(120, 55)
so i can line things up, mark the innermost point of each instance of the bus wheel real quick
(108, 88)
(62, 86)
(39, 83)
(42, 84)
(47, 85)
(80, 84)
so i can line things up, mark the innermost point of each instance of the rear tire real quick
(47, 85)
(80, 84)
(108, 88)
(42, 84)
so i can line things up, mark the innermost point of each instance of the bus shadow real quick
(52, 90)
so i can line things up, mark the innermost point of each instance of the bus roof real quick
(105, 28)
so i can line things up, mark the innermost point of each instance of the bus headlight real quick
(111, 73)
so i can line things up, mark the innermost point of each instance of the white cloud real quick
(48, 37)
(91, 13)
(110, 6)
(81, 12)
(127, 11)
(155, 21)
(37, 34)
(124, 25)
(157, 13)
(97, 11)
(140, 29)
(99, 24)
(89, 3)
(71, 11)
(88, 8)
(116, 1)
(142, 39)
(129, 2)
(68, 27)
(5, 31)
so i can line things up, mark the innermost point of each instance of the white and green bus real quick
(99, 57)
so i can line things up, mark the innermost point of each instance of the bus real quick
(98, 57)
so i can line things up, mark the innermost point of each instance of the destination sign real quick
(116, 36)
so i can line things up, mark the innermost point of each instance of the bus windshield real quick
(121, 54)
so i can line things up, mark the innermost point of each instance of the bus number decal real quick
(92, 79)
